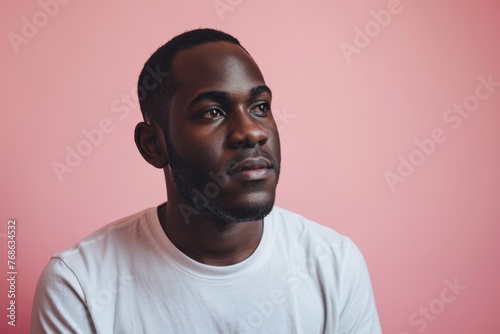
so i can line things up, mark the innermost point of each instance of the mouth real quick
(251, 166)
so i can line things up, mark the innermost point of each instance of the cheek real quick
(198, 146)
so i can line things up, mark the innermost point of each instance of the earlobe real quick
(150, 141)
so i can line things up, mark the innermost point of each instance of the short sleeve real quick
(59, 304)
(359, 313)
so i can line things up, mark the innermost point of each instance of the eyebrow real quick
(260, 89)
(222, 95)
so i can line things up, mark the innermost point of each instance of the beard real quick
(191, 181)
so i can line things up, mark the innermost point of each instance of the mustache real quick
(251, 153)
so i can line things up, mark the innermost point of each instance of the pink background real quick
(344, 120)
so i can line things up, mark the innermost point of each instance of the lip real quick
(251, 166)
(252, 174)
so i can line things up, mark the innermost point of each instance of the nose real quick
(246, 131)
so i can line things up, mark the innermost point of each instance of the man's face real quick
(221, 127)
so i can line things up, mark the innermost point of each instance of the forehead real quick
(216, 66)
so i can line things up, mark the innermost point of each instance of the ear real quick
(150, 141)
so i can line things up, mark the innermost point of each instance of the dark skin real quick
(219, 113)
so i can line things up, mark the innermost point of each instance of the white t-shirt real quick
(128, 277)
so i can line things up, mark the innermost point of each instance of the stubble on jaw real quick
(188, 179)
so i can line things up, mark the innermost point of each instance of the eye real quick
(262, 109)
(212, 113)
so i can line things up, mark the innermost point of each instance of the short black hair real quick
(155, 98)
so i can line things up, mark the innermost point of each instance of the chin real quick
(242, 210)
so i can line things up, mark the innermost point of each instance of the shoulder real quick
(114, 230)
(317, 245)
(109, 244)
(335, 260)
(309, 233)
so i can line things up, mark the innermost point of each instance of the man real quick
(218, 257)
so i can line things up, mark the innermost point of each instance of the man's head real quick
(209, 123)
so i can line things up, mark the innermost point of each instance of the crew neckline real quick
(192, 267)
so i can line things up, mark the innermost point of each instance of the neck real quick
(205, 239)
